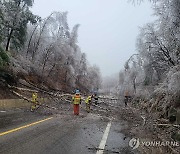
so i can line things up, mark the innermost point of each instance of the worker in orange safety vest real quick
(76, 99)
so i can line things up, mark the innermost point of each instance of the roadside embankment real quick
(14, 103)
(18, 103)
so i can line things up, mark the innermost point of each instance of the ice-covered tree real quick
(16, 15)
(53, 54)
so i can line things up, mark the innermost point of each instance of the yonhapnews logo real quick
(134, 143)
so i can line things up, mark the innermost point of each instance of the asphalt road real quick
(23, 132)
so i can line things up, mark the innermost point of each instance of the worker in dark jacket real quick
(127, 98)
(95, 99)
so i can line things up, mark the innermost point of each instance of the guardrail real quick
(14, 103)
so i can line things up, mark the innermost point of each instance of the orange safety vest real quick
(76, 99)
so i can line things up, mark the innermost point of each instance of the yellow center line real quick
(22, 127)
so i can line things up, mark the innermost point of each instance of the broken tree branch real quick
(168, 125)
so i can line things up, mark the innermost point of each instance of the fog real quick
(108, 28)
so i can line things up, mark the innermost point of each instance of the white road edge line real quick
(104, 139)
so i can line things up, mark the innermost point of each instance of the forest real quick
(152, 74)
(45, 53)
(42, 51)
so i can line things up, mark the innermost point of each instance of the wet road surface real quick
(62, 134)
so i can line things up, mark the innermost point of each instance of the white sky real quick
(108, 28)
